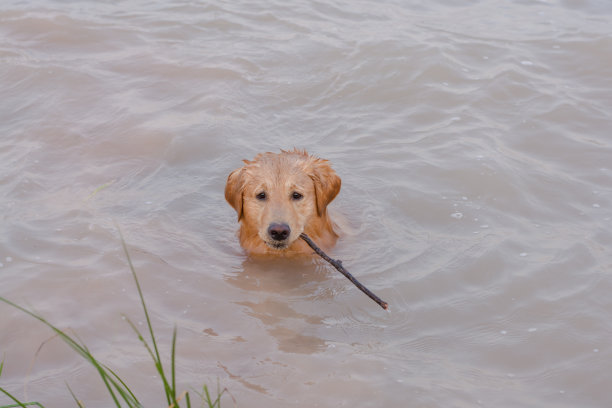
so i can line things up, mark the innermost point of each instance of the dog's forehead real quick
(278, 170)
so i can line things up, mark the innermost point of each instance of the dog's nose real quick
(279, 232)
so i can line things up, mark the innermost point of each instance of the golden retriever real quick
(277, 197)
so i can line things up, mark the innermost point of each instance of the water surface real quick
(474, 146)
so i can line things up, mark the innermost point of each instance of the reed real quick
(118, 390)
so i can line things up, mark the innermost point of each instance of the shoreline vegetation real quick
(118, 390)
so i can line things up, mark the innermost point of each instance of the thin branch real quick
(338, 265)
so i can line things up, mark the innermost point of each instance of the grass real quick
(118, 390)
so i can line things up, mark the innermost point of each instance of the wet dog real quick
(278, 196)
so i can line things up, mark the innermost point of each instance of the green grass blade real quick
(207, 395)
(158, 363)
(209, 401)
(141, 338)
(19, 403)
(167, 387)
(80, 349)
(27, 404)
(117, 388)
(172, 364)
(79, 403)
(129, 397)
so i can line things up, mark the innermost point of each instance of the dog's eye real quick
(296, 196)
(261, 196)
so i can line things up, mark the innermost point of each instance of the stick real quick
(338, 265)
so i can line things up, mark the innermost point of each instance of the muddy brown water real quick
(474, 144)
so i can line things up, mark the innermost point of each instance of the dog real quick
(278, 196)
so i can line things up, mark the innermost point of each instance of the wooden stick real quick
(338, 265)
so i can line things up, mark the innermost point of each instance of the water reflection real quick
(283, 288)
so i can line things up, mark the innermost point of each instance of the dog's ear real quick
(326, 183)
(234, 190)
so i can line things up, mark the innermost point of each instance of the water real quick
(474, 146)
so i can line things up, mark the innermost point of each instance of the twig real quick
(338, 265)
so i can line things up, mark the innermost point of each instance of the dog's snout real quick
(279, 232)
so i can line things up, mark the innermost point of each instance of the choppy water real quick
(474, 145)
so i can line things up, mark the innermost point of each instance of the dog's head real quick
(277, 195)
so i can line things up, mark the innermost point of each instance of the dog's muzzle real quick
(278, 233)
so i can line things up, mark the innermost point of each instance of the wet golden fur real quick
(291, 189)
